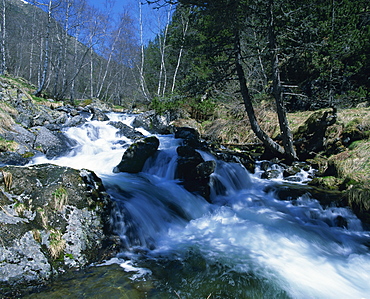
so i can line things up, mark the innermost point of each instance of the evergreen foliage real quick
(322, 49)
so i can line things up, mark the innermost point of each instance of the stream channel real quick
(246, 244)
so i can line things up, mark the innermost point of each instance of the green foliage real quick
(38, 99)
(203, 109)
(28, 155)
(160, 105)
(322, 48)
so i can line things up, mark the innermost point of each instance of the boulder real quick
(135, 156)
(126, 131)
(155, 123)
(310, 138)
(52, 219)
(99, 115)
(75, 121)
(193, 171)
(11, 158)
(235, 157)
(51, 143)
(190, 136)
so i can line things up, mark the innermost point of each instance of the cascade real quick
(247, 243)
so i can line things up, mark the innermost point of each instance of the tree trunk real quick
(141, 69)
(266, 140)
(185, 25)
(3, 37)
(46, 57)
(277, 92)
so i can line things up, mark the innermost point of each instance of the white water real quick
(293, 246)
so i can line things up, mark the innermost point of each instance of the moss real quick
(328, 182)
(359, 201)
(85, 102)
(28, 155)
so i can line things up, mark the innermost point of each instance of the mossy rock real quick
(328, 182)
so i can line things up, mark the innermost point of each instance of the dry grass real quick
(355, 162)
(56, 244)
(7, 114)
(60, 198)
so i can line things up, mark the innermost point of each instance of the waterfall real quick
(246, 243)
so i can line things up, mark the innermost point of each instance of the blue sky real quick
(153, 20)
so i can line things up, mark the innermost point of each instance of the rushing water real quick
(246, 244)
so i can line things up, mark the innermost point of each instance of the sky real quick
(153, 20)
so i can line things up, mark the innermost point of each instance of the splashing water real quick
(246, 244)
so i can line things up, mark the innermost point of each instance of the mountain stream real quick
(246, 244)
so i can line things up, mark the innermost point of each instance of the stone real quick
(52, 219)
(135, 156)
(51, 143)
(126, 131)
(98, 115)
(190, 136)
(154, 123)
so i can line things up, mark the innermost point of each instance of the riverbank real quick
(342, 161)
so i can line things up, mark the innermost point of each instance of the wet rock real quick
(98, 115)
(187, 162)
(190, 136)
(11, 158)
(75, 121)
(246, 160)
(271, 174)
(193, 171)
(135, 156)
(126, 131)
(52, 219)
(155, 123)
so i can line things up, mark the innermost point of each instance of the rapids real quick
(246, 244)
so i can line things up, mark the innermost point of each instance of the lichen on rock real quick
(52, 219)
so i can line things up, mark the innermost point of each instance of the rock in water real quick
(52, 219)
(134, 158)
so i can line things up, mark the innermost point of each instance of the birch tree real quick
(3, 38)
(185, 25)
(46, 49)
(142, 57)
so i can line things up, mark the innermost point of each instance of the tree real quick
(3, 39)
(45, 66)
(222, 24)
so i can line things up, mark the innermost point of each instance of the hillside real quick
(64, 49)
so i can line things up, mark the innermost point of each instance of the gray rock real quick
(75, 121)
(51, 143)
(126, 131)
(98, 115)
(153, 123)
(193, 171)
(52, 219)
